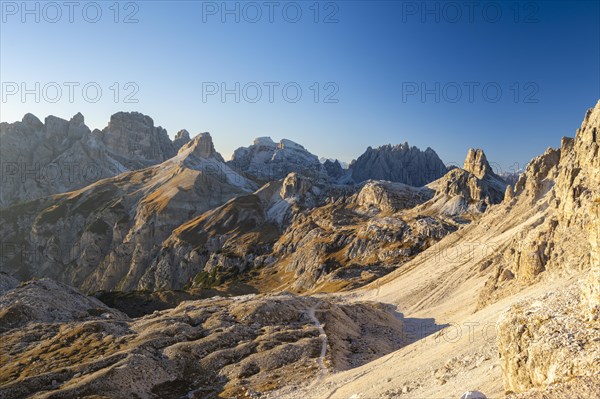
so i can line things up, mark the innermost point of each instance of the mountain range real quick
(41, 159)
(194, 219)
(175, 273)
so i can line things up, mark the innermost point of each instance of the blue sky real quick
(399, 72)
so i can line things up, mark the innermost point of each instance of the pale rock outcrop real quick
(268, 161)
(468, 191)
(295, 186)
(578, 191)
(202, 146)
(576, 387)
(509, 194)
(391, 197)
(556, 338)
(476, 163)
(547, 341)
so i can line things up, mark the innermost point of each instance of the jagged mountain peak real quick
(78, 119)
(471, 189)
(267, 160)
(182, 134)
(201, 146)
(181, 138)
(123, 118)
(32, 121)
(133, 136)
(399, 163)
(476, 163)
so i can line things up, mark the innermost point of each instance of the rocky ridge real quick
(149, 230)
(57, 156)
(267, 160)
(400, 163)
(556, 338)
(102, 236)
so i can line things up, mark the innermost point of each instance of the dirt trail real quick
(323, 336)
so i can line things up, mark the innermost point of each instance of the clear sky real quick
(385, 72)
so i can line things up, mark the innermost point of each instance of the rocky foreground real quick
(58, 343)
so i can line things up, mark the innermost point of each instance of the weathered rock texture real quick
(57, 343)
(192, 222)
(400, 163)
(182, 137)
(40, 159)
(556, 338)
(469, 190)
(563, 186)
(133, 138)
(547, 341)
(105, 235)
(267, 160)
(46, 301)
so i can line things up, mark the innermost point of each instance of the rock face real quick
(46, 301)
(547, 341)
(391, 197)
(477, 164)
(234, 238)
(105, 235)
(56, 156)
(576, 387)
(400, 163)
(202, 147)
(134, 139)
(563, 184)
(469, 190)
(181, 138)
(267, 160)
(334, 169)
(554, 339)
(194, 222)
(226, 348)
